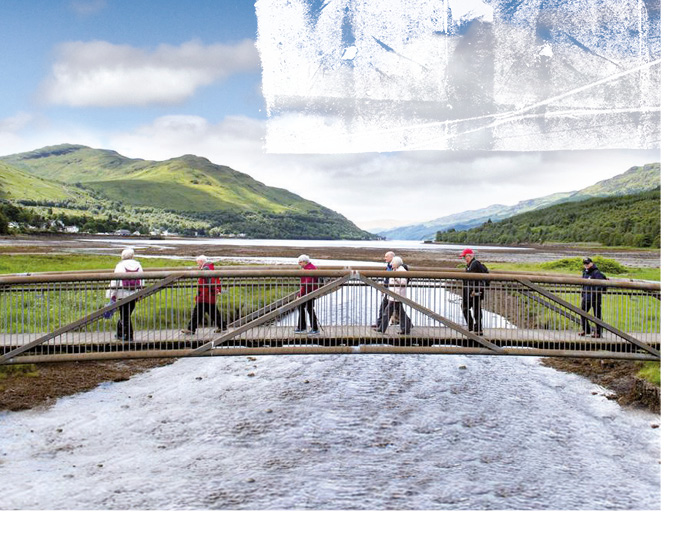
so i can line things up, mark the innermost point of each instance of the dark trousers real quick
(471, 310)
(593, 301)
(404, 321)
(124, 326)
(382, 310)
(307, 307)
(203, 308)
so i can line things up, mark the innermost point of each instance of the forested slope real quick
(630, 220)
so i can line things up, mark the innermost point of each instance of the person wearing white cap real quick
(308, 284)
(397, 286)
(205, 300)
(388, 257)
(121, 288)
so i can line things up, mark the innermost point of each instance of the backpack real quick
(131, 284)
(486, 282)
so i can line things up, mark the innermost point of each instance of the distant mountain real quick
(618, 220)
(634, 180)
(189, 193)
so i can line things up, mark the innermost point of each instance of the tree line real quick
(630, 220)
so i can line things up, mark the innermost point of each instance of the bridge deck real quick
(329, 336)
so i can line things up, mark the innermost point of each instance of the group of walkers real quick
(473, 292)
(391, 305)
(208, 289)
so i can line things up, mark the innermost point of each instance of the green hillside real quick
(630, 220)
(16, 184)
(187, 195)
(634, 180)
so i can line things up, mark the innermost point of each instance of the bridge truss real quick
(61, 316)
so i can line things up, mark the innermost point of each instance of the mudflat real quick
(433, 255)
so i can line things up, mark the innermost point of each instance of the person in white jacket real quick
(398, 286)
(119, 289)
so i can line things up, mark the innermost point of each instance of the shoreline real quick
(430, 255)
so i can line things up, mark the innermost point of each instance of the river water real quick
(439, 432)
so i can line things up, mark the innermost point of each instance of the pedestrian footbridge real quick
(52, 317)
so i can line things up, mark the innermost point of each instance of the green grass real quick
(634, 312)
(48, 307)
(18, 370)
(19, 263)
(651, 372)
(19, 185)
(172, 196)
(572, 266)
(41, 308)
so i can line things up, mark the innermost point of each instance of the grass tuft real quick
(651, 372)
(18, 370)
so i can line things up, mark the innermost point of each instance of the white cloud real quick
(15, 123)
(102, 74)
(365, 187)
(87, 7)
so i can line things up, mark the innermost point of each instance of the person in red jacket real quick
(308, 284)
(207, 290)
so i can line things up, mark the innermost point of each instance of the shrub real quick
(605, 264)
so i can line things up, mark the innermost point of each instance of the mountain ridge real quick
(616, 220)
(207, 196)
(635, 179)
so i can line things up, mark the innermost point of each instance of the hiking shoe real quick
(219, 330)
(596, 335)
(187, 331)
(314, 332)
(299, 330)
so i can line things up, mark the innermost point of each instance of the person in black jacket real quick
(473, 293)
(591, 297)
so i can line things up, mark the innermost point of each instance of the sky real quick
(390, 113)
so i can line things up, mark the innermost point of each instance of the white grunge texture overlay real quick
(514, 75)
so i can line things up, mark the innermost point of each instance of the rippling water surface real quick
(334, 432)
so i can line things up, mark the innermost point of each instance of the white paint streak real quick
(388, 75)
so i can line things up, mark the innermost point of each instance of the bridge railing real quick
(61, 317)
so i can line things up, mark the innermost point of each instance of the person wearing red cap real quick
(473, 293)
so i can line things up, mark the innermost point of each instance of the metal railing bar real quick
(89, 318)
(653, 287)
(273, 314)
(591, 318)
(432, 314)
(327, 350)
